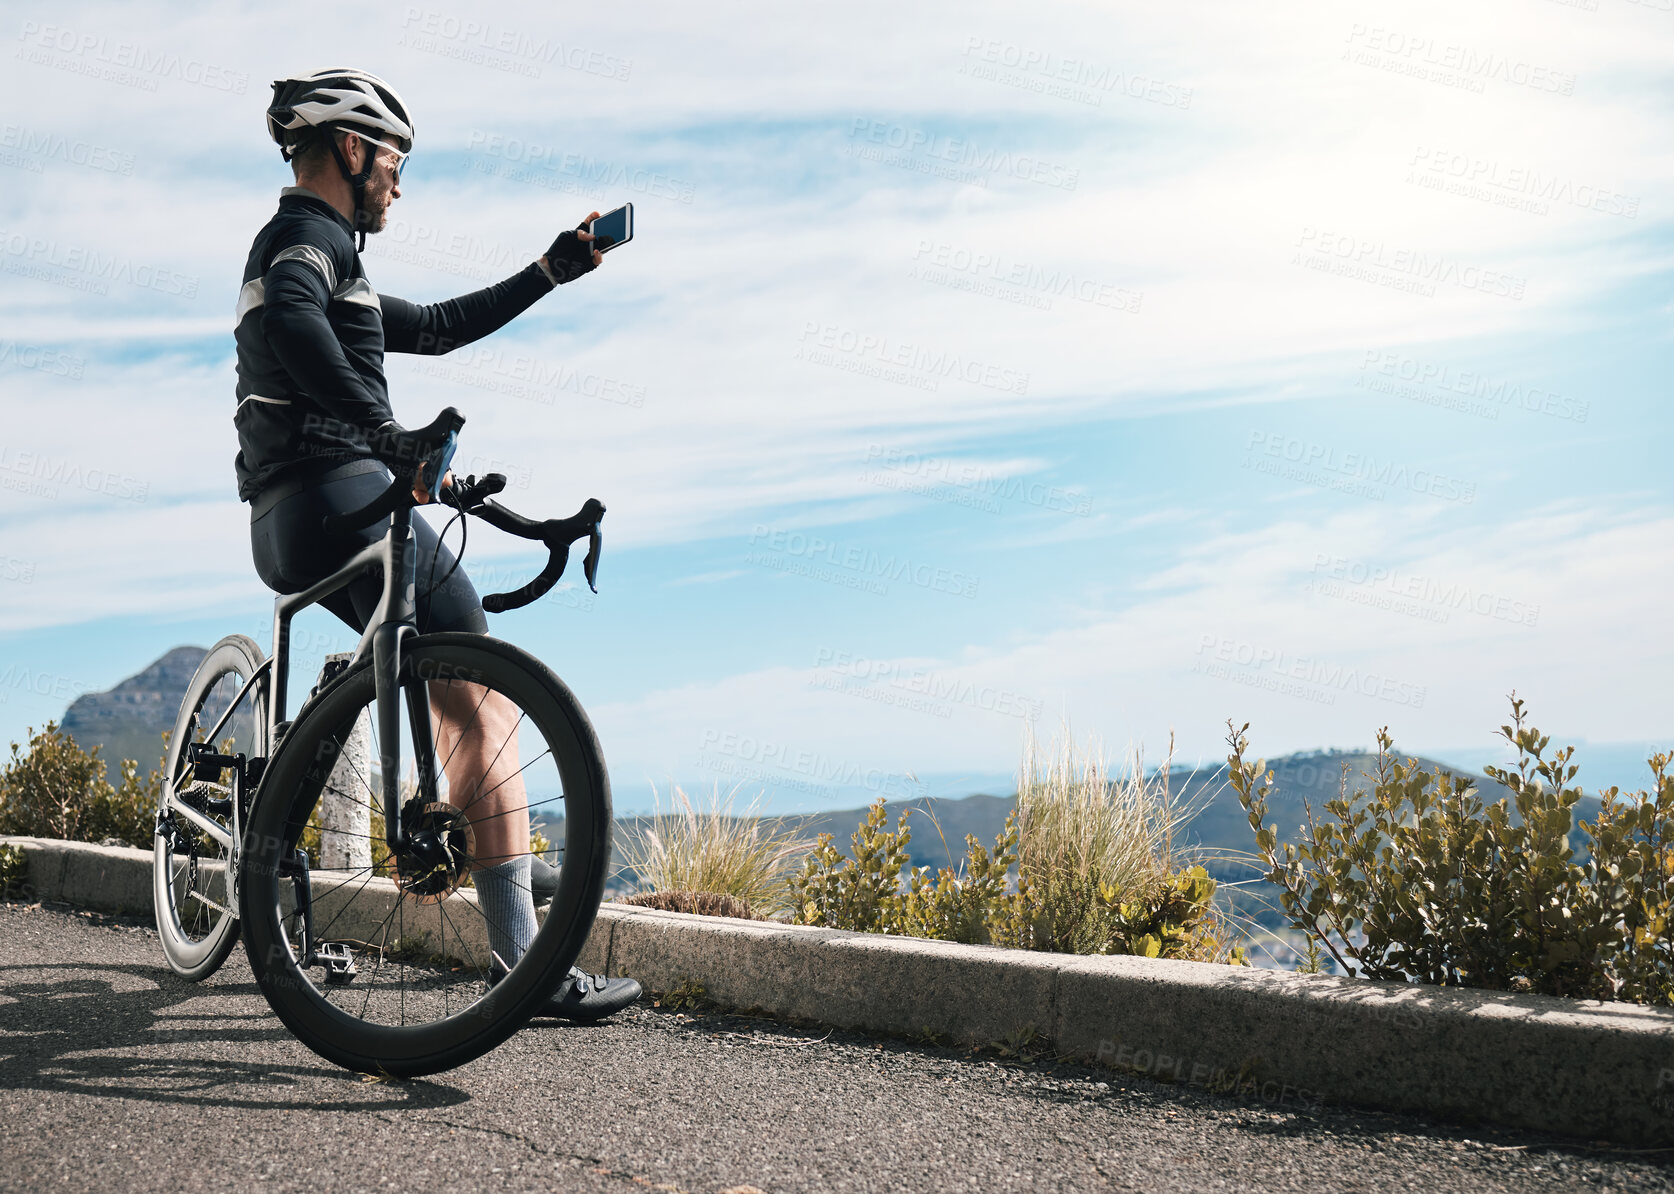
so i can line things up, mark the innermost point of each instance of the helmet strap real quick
(357, 182)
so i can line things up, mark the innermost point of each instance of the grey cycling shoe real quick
(582, 998)
(543, 880)
(585, 998)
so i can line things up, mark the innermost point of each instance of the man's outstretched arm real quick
(434, 328)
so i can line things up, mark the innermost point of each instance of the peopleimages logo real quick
(1489, 391)
(1322, 674)
(477, 41)
(40, 252)
(1360, 466)
(962, 153)
(858, 567)
(36, 473)
(1425, 57)
(1024, 276)
(1477, 177)
(122, 57)
(1401, 268)
(1067, 78)
(72, 151)
(1447, 594)
(929, 363)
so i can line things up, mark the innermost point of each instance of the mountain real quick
(128, 721)
(1219, 825)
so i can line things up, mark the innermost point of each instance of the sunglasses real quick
(400, 164)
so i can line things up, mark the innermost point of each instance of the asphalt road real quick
(115, 1075)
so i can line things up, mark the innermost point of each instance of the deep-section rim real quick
(409, 1051)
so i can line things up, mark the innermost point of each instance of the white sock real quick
(503, 896)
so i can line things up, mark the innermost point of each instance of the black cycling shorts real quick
(292, 551)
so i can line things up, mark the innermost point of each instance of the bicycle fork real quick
(395, 623)
(386, 667)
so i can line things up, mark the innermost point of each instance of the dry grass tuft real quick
(715, 851)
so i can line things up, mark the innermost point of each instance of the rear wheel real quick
(193, 882)
(383, 964)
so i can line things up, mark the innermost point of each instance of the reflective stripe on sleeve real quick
(314, 257)
(253, 295)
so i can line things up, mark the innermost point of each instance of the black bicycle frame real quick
(396, 618)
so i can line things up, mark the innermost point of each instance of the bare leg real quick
(477, 737)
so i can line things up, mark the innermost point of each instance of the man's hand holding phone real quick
(572, 254)
(581, 250)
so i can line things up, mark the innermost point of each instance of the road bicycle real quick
(369, 943)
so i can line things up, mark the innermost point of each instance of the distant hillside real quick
(1309, 777)
(128, 721)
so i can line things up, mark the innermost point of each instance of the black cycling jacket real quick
(312, 334)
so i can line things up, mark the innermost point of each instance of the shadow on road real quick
(59, 1023)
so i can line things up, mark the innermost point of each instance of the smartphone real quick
(613, 228)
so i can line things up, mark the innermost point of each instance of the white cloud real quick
(789, 242)
(1316, 635)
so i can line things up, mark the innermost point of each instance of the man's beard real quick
(375, 209)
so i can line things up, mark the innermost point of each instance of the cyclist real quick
(315, 423)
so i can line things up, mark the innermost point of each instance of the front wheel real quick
(382, 964)
(192, 858)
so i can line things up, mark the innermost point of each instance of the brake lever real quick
(590, 566)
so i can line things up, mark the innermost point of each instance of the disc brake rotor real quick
(429, 881)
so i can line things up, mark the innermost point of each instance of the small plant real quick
(1420, 879)
(689, 994)
(14, 870)
(715, 851)
(55, 789)
(862, 893)
(1023, 1043)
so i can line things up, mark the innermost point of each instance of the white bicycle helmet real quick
(352, 100)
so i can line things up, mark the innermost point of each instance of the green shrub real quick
(1095, 874)
(58, 790)
(1419, 879)
(14, 870)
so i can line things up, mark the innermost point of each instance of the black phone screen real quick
(614, 228)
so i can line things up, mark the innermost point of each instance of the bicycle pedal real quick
(338, 960)
(207, 763)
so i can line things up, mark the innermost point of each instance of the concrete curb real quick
(1579, 1068)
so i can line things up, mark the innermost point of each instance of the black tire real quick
(196, 935)
(447, 1013)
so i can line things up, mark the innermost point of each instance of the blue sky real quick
(972, 368)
